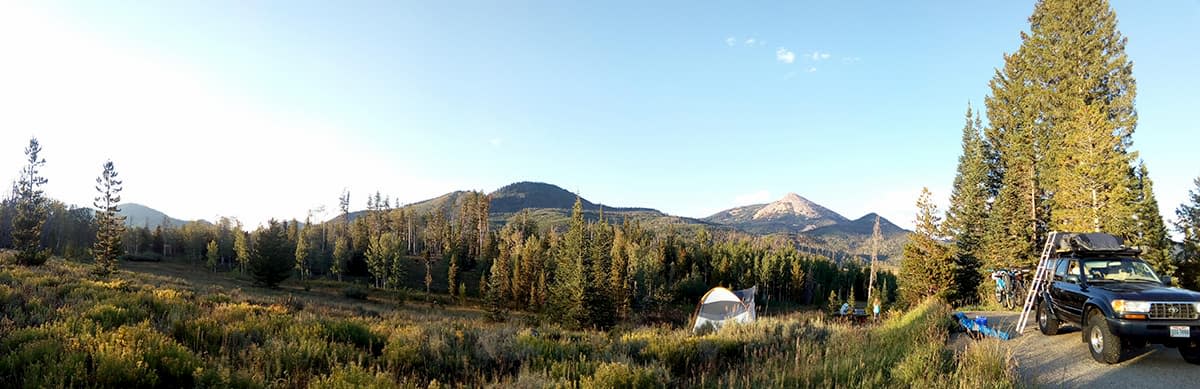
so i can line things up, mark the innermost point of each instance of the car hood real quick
(1147, 291)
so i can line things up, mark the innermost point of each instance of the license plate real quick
(1181, 331)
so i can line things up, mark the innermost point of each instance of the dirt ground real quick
(1063, 360)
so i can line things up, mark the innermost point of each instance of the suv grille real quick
(1172, 311)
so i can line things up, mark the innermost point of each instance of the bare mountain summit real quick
(792, 213)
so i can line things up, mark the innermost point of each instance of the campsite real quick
(625, 194)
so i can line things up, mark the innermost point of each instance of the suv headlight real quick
(1131, 306)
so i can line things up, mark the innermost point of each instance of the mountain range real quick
(812, 226)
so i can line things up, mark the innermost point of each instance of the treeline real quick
(1055, 155)
(596, 273)
(583, 274)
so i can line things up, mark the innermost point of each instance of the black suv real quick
(1118, 300)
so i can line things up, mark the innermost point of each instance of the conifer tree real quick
(1093, 179)
(302, 251)
(926, 268)
(241, 247)
(271, 260)
(966, 219)
(568, 289)
(110, 226)
(1073, 55)
(212, 255)
(1187, 223)
(383, 250)
(31, 209)
(493, 297)
(452, 273)
(1150, 233)
(341, 254)
(597, 295)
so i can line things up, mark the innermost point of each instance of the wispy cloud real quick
(851, 59)
(817, 56)
(496, 142)
(751, 41)
(758, 197)
(784, 55)
(812, 69)
(730, 41)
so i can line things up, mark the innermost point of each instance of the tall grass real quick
(61, 325)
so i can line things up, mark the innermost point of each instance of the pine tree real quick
(241, 247)
(384, 250)
(926, 268)
(303, 251)
(1093, 179)
(1073, 55)
(452, 273)
(1187, 223)
(493, 297)
(110, 226)
(1150, 233)
(966, 219)
(31, 210)
(212, 255)
(567, 292)
(271, 260)
(597, 295)
(341, 255)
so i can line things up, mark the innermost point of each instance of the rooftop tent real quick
(1089, 242)
(720, 306)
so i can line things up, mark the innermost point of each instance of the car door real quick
(1066, 292)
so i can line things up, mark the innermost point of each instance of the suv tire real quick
(1046, 322)
(1190, 353)
(1104, 345)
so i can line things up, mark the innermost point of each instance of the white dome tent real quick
(720, 306)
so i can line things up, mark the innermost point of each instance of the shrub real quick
(354, 333)
(352, 376)
(355, 292)
(620, 375)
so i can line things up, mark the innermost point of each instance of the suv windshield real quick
(1118, 269)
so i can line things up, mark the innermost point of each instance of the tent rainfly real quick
(720, 306)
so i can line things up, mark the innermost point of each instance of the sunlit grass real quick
(62, 325)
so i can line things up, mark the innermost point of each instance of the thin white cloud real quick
(817, 56)
(758, 197)
(851, 59)
(750, 41)
(496, 142)
(730, 41)
(812, 69)
(785, 55)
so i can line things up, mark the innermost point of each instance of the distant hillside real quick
(854, 236)
(514, 198)
(811, 225)
(535, 195)
(140, 215)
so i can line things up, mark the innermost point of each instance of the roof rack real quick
(1065, 243)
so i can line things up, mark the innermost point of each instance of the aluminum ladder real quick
(1040, 278)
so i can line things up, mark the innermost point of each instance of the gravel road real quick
(1063, 361)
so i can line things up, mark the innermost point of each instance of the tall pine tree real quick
(1187, 223)
(966, 219)
(110, 226)
(1150, 233)
(567, 292)
(31, 209)
(1072, 56)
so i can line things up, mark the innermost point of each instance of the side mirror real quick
(1166, 280)
(1072, 278)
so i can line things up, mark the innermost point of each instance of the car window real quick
(1061, 269)
(1118, 269)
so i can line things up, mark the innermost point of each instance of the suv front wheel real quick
(1105, 346)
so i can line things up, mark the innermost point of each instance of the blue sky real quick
(260, 109)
